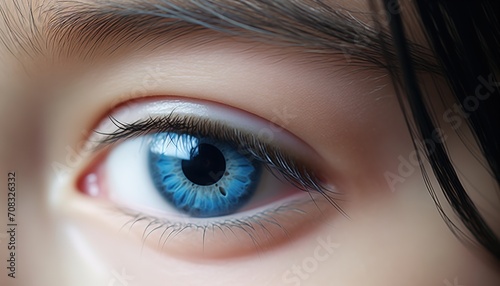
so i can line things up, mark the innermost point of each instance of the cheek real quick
(370, 153)
(400, 238)
(97, 249)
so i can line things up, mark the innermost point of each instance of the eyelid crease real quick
(228, 116)
(275, 158)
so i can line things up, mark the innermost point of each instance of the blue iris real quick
(201, 176)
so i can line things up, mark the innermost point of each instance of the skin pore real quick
(346, 113)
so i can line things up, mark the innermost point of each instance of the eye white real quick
(127, 175)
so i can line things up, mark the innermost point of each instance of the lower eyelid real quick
(217, 239)
(231, 237)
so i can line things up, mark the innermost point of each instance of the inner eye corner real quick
(88, 179)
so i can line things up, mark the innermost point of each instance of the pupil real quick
(205, 167)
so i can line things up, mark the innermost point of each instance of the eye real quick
(183, 166)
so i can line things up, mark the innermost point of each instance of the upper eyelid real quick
(225, 116)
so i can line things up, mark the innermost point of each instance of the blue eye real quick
(205, 179)
(201, 177)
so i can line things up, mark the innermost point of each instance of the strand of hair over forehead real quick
(463, 55)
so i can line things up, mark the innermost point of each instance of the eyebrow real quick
(78, 29)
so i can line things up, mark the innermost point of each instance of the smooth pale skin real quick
(350, 117)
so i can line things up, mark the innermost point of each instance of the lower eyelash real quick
(251, 225)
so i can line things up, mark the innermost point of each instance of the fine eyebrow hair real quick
(80, 28)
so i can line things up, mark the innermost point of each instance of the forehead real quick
(62, 30)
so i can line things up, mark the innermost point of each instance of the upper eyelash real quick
(299, 175)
